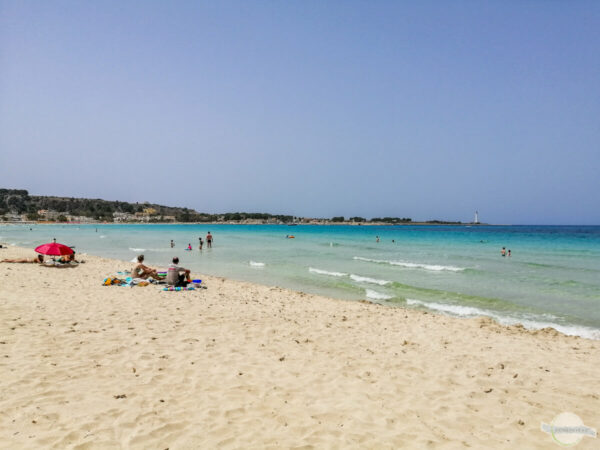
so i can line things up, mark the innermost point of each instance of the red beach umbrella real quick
(54, 249)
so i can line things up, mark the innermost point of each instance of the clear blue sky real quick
(427, 110)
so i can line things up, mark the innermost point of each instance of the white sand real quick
(241, 365)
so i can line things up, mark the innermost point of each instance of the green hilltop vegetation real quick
(18, 203)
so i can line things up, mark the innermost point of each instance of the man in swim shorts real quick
(209, 239)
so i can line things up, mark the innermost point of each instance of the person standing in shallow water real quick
(209, 240)
(172, 243)
(200, 243)
(503, 251)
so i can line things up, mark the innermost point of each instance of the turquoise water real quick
(551, 279)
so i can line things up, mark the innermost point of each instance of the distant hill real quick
(17, 203)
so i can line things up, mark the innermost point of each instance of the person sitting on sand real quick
(174, 275)
(38, 260)
(142, 271)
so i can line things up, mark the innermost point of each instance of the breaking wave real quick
(326, 272)
(361, 279)
(410, 265)
(374, 295)
(354, 277)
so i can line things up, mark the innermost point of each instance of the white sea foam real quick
(469, 311)
(362, 279)
(410, 265)
(102, 236)
(325, 272)
(374, 295)
(257, 264)
(357, 278)
(137, 249)
(457, 310)
(134, 260)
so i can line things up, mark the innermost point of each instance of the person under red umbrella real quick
(51, 249)
(66, 253)
(54, 249)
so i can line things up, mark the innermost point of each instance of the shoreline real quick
(356, 224)
(496, 320)
(242, 364)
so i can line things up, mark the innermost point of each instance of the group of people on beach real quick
(209, 241)
(176, 275)
(39, 259)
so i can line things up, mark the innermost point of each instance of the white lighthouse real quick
(476, 217)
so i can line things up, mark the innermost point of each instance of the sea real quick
(551, 279)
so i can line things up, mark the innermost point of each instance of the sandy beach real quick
(239, 365)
